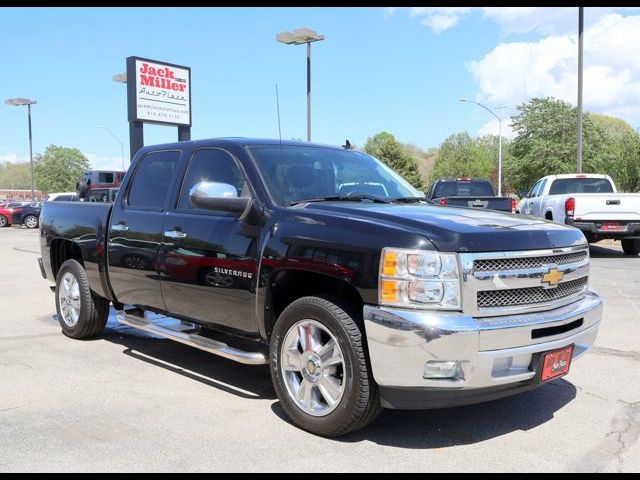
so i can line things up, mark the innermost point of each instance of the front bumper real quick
(498, 355)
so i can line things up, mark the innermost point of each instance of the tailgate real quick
(491, 203)
(607, 206)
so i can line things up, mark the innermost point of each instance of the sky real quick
(402, 70)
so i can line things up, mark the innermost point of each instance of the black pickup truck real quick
(469, 192)
(268, 252)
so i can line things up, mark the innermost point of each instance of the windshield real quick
(295, 173)
(580, 185)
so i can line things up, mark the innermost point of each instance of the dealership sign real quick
(161, 92)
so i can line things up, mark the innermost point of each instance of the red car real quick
(5, 216)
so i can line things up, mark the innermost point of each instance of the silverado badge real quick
(552, 277)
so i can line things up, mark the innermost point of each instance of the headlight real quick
(419, 279)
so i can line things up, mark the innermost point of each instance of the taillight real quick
(513, 205)
(442, 202)
(569, 206)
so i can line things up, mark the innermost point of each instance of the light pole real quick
(499, 142)
(28, 102)
(121, 144)
(580, 29)
(299, 37)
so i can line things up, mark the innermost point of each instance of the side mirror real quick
(218, 196)
(522, 194)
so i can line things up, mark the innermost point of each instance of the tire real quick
(31, 221)
(631, 246)
(90, 314)
(3, 221)
(359, 401)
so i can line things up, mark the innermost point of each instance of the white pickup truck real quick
(589, 202)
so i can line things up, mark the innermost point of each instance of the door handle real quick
(120, 227)
(175, 234)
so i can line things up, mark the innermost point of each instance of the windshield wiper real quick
(411, 199)
(343, 198)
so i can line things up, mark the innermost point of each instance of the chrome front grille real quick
(506, 283)
(499, 264)
(530, 296)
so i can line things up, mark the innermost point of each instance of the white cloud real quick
(101, 162)
(436, 18)
(439, 18)
(544, 20)
(492, 128)
(511, 20)
(513, 72)
(12, 157)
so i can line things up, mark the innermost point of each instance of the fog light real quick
(437, 369)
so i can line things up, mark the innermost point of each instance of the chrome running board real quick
(178, 331)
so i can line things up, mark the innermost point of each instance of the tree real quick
(15, 176)
(59, 169)
(387, 149)
(624, 143)
(460, 155)
(546, 142)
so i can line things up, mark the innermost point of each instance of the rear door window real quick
(152, 180)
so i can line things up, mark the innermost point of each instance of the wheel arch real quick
(287, 285)
(62, 250)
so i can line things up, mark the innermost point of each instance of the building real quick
(17, 195)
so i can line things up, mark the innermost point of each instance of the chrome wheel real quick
(136, 262)
(31, 221)
(3, 221)
(69, 299)
(313, 369)
(216, 279)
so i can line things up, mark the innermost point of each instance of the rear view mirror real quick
(218, 196)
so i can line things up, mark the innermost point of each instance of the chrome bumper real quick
(492, 351)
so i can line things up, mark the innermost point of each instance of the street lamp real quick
(119, 77)
(28, 102)
(121, 144)
(299, 37)
(499, 142)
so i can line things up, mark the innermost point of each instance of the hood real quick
(453, 229)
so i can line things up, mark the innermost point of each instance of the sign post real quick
(157, 93)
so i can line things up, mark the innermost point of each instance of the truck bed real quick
(84, 224)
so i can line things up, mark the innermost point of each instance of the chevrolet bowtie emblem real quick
(553, 277)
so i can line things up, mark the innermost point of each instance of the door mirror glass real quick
(217, 196)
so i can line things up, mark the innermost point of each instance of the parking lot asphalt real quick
(132, 402)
